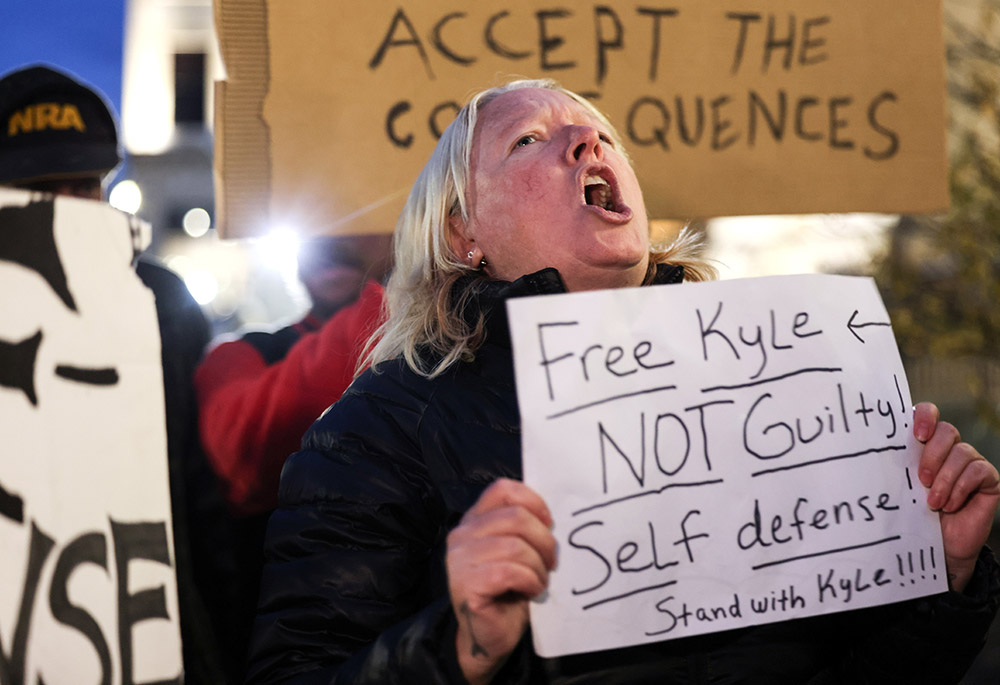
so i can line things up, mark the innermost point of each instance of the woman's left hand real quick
(964, 488)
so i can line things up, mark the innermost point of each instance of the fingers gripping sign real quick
(499, 557)
(963, 486)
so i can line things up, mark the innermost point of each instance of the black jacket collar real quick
(486, 298)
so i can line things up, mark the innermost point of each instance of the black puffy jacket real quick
(355, 591)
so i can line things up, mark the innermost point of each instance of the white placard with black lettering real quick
(87, 586)
(718, 455)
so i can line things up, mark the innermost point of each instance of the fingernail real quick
(934, 501)
(922, 431)
(925, 477)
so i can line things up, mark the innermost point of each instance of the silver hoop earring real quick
(469, 256)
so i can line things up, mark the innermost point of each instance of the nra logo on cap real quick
(45, 115)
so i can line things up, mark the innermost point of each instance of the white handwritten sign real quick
(87, 585)
(718, 455)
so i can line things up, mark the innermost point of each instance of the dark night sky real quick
(83, 37)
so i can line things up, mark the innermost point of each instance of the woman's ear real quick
(458, 237)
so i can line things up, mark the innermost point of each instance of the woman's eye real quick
(524, 140)
(605, 138)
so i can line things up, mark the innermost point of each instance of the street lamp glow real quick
(196, 222)
(126, 196)
(202, 285)
(280, 248)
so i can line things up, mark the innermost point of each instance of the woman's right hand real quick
(499, 557)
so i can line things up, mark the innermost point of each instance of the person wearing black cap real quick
(58, 136)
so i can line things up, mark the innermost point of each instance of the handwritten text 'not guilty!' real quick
(718, 455)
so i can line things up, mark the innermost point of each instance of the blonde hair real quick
(422, 313)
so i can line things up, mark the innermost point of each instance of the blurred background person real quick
(258, 393)
(59, 136)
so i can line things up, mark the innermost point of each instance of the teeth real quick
(599, 195)
(604, 200)
(599, 192)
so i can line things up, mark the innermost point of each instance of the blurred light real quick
(180, 264)
(126, 196)
(202, 285)
(226, 304)
(196, 222)
(148, 80)
(280, 248)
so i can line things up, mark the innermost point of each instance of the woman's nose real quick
(584, 143)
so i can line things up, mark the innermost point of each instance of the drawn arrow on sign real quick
(851, 326)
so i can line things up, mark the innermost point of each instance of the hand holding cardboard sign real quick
(498, 558)
(963, 486)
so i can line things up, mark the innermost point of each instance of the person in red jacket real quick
(258, 394)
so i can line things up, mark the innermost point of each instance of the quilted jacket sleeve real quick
(344, 595)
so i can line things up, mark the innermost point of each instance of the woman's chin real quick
(621, 272)
(621, 255)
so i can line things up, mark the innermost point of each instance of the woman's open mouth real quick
(600, 191)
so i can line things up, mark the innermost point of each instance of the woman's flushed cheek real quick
(528, 184)
(532, 186)
(513, 193)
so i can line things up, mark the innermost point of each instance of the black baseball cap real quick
(52, 126)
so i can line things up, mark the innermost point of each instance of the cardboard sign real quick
(330, 109)
(718, 455)
(87, 585)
